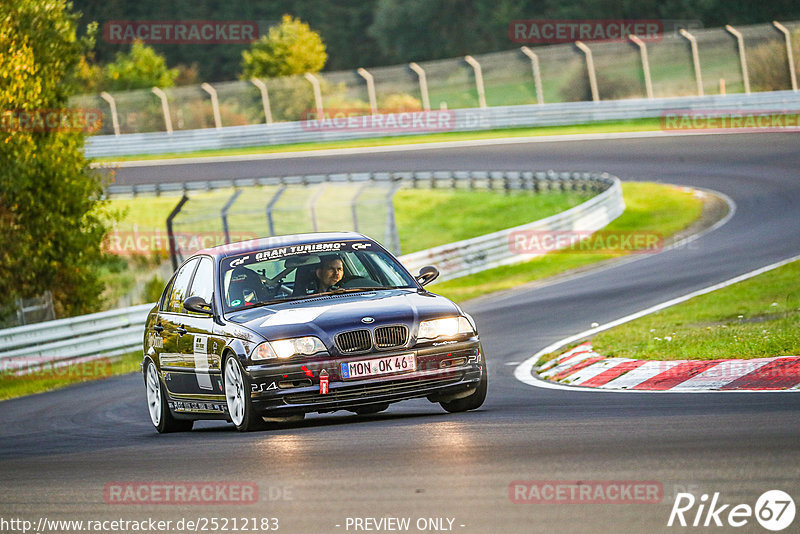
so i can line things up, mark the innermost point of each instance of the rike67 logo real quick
(774, 510)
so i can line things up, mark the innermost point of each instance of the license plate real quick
(379, 366)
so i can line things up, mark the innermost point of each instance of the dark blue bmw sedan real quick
(283, 326)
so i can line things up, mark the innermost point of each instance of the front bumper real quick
(441, 372)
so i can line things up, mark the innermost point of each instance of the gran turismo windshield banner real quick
(332, 247)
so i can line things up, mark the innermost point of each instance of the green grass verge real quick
(636, 125)
(48, 378)
(650, 207)
(430, 218)
(755, 318)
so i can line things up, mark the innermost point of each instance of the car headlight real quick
(447, 327)
(305, 346)
(286, 348)
(263, 352)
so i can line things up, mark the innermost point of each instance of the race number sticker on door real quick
(201, 362)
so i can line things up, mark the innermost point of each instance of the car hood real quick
(327, 315)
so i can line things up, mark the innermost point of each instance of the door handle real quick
(181, 330)
(158, 328)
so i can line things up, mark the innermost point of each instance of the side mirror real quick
(197, 305)
(427, 275)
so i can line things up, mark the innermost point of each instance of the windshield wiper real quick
(354, 289)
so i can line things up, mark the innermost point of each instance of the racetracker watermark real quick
(181, 493)
(129, 243)
(737, 120)
(180, 31)
(541, 31)
(537, 242)
(385, 120)
(585, 492)
(38, 368)
(65, 120)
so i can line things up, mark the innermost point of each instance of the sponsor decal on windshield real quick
(297, 250)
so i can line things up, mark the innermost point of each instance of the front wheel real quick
(237, 396)
(471, 402)
(157, 405)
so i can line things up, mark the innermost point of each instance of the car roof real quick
(234, 249)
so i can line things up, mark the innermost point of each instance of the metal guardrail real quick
(473, 119)
(115, 332)
(106, 333)
(493, 250)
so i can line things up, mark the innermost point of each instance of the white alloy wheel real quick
(234, 391)
(153, 394)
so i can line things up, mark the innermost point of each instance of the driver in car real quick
(328, 275)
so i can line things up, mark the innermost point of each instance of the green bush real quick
(153, 289)
(288, 49)
(577, 88)
(768, 65)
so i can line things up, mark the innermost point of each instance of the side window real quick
(163, 302)
(180, 287)
(203, 283)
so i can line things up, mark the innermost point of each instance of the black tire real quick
(237, 397)
(371, 408)
(157, 405)
(472, 402)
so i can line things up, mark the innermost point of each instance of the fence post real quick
(173, 250)
(20, 311)
(317, 94)
(648, 83)
(262, 87)
(789, 54)
(392, 238)
(354, 205)
(373, 101)
(423, 85)
(695, 60)
(214, 103)
(478, 80)
(537, 75)
(271, 207)
(312, 203)
(224, 214)
(590, 68)
(164, 107)
(742, 56)
(113, 105)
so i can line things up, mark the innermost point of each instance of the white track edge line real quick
(523, 372)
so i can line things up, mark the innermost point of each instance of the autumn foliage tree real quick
(290, 48)
(51, 215)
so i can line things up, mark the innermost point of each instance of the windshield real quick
(301, 271)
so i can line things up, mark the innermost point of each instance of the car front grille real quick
(389, 337)
(354, 341)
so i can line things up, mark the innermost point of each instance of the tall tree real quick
(52, 219)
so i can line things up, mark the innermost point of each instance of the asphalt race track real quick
(60, 450)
